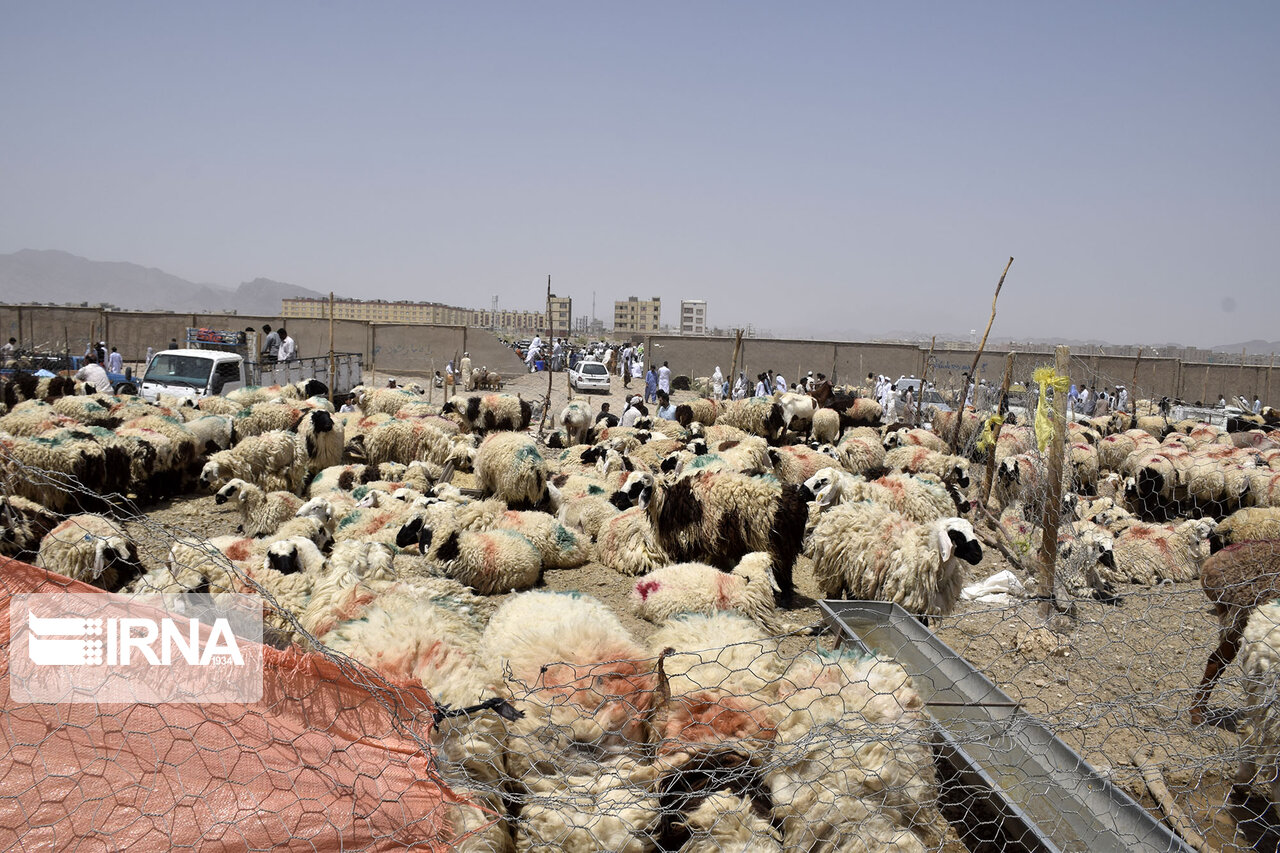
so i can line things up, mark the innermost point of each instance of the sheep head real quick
(233, 490)
(956, 538)
(638, 489)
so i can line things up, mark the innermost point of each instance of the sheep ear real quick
(824, 495)
(945, 545)
(99, 557)
(643, 502)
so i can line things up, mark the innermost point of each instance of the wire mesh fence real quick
(402, 708)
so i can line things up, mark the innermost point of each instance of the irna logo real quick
(153, 649)
(68, 641)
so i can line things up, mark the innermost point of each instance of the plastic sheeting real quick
(326, 761)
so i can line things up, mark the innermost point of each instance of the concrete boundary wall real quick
(410, 348)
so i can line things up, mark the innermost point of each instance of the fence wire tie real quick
(504, 708)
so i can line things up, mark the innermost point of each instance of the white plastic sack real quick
(995, 589)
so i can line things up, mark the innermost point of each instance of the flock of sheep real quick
(384, 533)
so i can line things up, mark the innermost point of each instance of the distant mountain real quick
(50, 276)
(1257, 346)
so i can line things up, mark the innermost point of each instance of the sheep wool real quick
(322, 438)
(826, 426)
(491, 561)
(726, 822)
(92, 549)
(702, 410)
(576, 420)
(627, 544)
(699, 588)
(861, 454)
(260, 512)
(869, 551)
(1261, 745)
(953, 470)
(760, 416)
(1251, 523)
(510, 467)
(853, 759)
(1150, 553)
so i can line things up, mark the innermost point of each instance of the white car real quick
(589, 376)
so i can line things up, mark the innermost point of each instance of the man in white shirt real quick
(762, 390)
(288, 346)
(1257, 405)
(780, 384)
(93, 374)
(6, 352)
(633, 413)
(664, 378)
(115, 362)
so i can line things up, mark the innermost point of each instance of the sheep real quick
(509, 466)
(212, 432)
(857, 411)
(724, 822)
(1261, 745)
(23, 524)
(260, 512)
(952, 470)
(797, 463)
(264, 417)
(31, 418)
(373, 401)
(720, 517)
(1082, 458)
(53, 472)
(1086, 566)
(1236, 579)
(826, 426)
(322, 438)
(576, 419)
(852, 761)
(491, 562)
(699, 588)
(273, 461)
(89, 411)
(92, 549)
(870, 551)
(407, 441)
(701, 410)
(1245, 525)
(1149, 553)
(558, 546)
(761, 416)
(797, 411)
(1264, 488)
(627, 543)
(945, 423)
(921, 497)
(578, 675)
(861, 454)
(749, 456)
(491, 412)
(907, 436)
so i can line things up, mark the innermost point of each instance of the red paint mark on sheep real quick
(646, 588)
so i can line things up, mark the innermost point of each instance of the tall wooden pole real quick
(973, 369)
(989, 474)
(546, 409)
(1133, 392)
(1053, 500)
(1267, 395)
(924, 378)
(733, 367)
(333, 367)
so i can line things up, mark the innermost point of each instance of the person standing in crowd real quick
(822, 391)
(465, 367)
(7, 351)
(1257, 403)
(633, 412)
(115, 362)
(664, 378)
(1103, 405)
(651, 384)
(1122, 397)
(1073, 400)
(717, 384)
(780, 384)
(762, 387)
(740, 386)
(626, 367)
(150, 354)
(606, 417)
(666, 409)
(93, 374)
(908, 405)
(288, 346)
(270, 345)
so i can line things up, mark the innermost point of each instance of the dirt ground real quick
(1119, 682)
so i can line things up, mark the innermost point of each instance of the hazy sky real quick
(813, 168)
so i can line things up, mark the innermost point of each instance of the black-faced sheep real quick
(491, 412)
(260, 512)
(720, 517)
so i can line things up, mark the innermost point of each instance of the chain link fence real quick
(404, 710)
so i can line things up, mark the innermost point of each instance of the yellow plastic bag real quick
(1047, 377)
(988, 437)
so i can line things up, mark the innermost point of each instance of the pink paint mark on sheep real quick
(645, 588)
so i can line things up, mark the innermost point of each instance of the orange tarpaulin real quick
(325, 761)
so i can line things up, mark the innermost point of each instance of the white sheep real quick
(699, 588)
(1261, 744)
(869, 551)
(92, 549)
(273, 461)
(861, 453)
(725, 822)
(575, 417)
(1150, 553)
(260, 512)
(510, 467)
(853, 758)
(826, 426)
(953, 470)
(491, 562)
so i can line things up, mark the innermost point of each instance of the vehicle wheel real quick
(126, 388)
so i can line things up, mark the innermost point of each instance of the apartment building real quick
(377, 311)
(693, 316)
(637, 316)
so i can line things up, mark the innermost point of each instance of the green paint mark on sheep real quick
(529, 454)
(359, 492)
(565, 538)
(595, 490)
(349, 519)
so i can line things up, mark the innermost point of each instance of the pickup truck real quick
(218, 362)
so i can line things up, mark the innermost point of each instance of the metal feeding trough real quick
(1017, 786)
